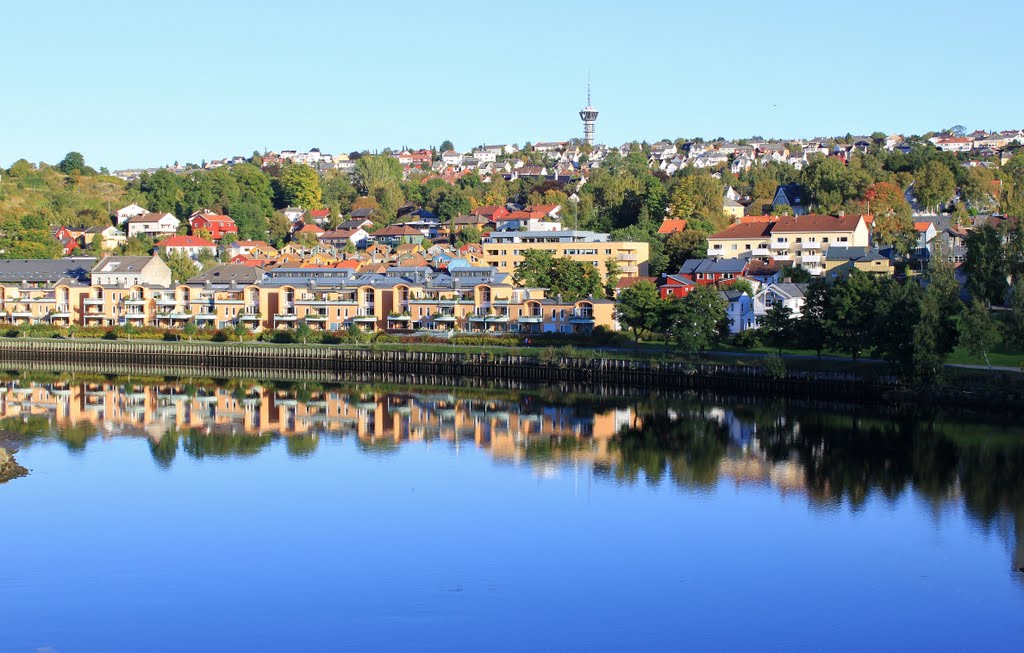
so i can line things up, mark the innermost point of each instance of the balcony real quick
(249, 317)
(581, 317)
(316, 317)
(809, 246)
(205, 316)
(628, 257)
(93, 301)
(779, 246)
(167, 301)
(135, 301)
(761, 251)
(285, 317)
(810, 258)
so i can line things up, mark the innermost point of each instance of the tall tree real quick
(778, 328)
(985, 265)
(978, 333)
(374, 170)
(894, 223)
(934, 184)
(638, 307)
(299, 185)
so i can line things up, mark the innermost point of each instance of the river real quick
(191, 515)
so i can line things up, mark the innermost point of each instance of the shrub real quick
(774, 367)
(748, 339)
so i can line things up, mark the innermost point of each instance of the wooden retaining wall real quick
(341, 364)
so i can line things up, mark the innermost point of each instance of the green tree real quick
(934, 184)
(572, 280)
(851, 316)
(303, 332)
(638, 308)
(697, 319)
(454, 203)
(612, 272)
(182, 267)
(894, 223)
(985, 265)
(699, 198)
(684, 245)
(190, 329)
(468, 234)
(375, 170)
(446, 145)
(299, 185)
(814, 328)
(20, 168)
(73, 163)
(978, 332)
(778, 328)
(161, 190)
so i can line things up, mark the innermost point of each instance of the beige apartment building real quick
(503, 250)
(801, 241)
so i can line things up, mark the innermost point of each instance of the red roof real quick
(922, 226)
(672, 225)
(746, 230)
(488, 211)
(185, 241)
(309, 229)
(320, 213)
(789, 223)
(626, 282)
(348, 265)
(523, 215)
(214, 217)
(544, 208)
(397, 230)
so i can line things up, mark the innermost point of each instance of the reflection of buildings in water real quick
(510, 430)
(753, 468)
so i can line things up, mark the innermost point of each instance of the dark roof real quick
(713, 266)
(839, 253)
(45, 270)
(362, 213)
(223, 274)
(792, 193)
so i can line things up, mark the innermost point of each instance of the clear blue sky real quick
(142, 84)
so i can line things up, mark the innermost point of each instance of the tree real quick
(468, 234)
(454, 203)
(612, 272)
(73, 163)
(299, 185)
(572, 280)
(985, 265)
(813, 332)
(1015, 324)
(20, 168)
(777, 327)
(795, 275)
(934, 184)
(374, 170)
(684, 245)
(303, 332)
(695, 327)
(699, 198)
(446, 145)
(851, 315)
(830, 184)
(978, 332)
(190, 329)
(161, 190)
(638, 308)
(182, 267)
(894, 223)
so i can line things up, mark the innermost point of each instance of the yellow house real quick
(503, 250)
(840, 261)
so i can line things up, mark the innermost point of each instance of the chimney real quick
(842, 214)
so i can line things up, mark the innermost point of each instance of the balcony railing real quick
(778, 245)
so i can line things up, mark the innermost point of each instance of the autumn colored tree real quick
(894, 223)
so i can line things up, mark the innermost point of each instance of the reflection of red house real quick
(217, 225)
(674, 285)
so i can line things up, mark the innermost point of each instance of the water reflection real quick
(830, 458)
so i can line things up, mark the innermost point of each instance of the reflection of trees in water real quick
(685, 444)
(843, 457)
(201, 445)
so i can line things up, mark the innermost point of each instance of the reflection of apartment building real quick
(505, 427)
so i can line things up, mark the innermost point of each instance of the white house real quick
(485, 156)
(123, 214)
(791, 295)
(153, 224)
(739, 310)
(191, 245)
(453, 158)
(294, 214)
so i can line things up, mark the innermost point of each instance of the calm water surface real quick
(196, 517)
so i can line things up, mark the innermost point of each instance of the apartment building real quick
(124, 291)
(801, 241)
(503, 250)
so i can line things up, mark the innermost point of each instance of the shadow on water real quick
(833, 456)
